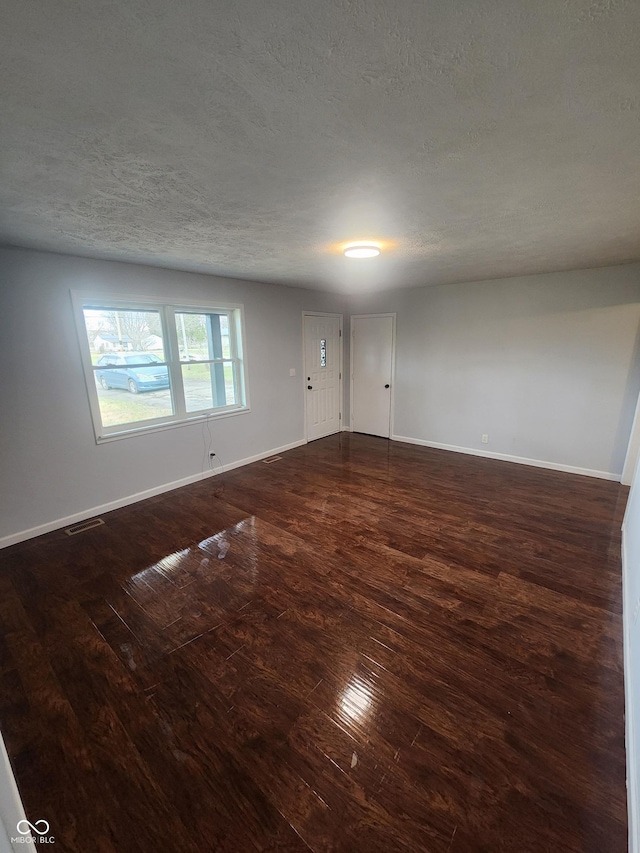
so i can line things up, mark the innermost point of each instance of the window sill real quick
(190, 421)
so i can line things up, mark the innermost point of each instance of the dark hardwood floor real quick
(365, 646)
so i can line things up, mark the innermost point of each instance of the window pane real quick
(113, 330)
(142, 358)
(127, 353)
(203, 337)
(130, 395)
(230, 383)
(209, 386)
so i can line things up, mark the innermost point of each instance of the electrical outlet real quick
(485, 438)
(292, 371)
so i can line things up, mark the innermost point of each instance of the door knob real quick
(309, 388)
(386, 386)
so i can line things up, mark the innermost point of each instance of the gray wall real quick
(546, 365)
(50, 465)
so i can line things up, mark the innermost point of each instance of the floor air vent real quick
(84, 525)
(271, 459)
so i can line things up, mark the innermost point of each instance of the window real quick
(208, 370)
(153, 365)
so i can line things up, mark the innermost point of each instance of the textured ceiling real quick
(478, 138)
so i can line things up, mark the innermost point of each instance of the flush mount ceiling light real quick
(361, 250)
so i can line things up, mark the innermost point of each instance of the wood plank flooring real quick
(365, 646)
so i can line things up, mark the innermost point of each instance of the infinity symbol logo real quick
(32, 826)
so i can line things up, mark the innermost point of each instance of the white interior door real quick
(322, 374)
(372, 345)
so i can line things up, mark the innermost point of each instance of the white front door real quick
(322, 357)
(372, 343)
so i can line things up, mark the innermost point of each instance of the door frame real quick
(353, 317)
(340, 318)
(633, 449)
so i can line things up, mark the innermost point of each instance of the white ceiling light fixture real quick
(362, 250)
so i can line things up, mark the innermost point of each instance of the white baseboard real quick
(11, 808)
(68, 520)
(505, 457)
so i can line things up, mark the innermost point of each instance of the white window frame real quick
(167, 310)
